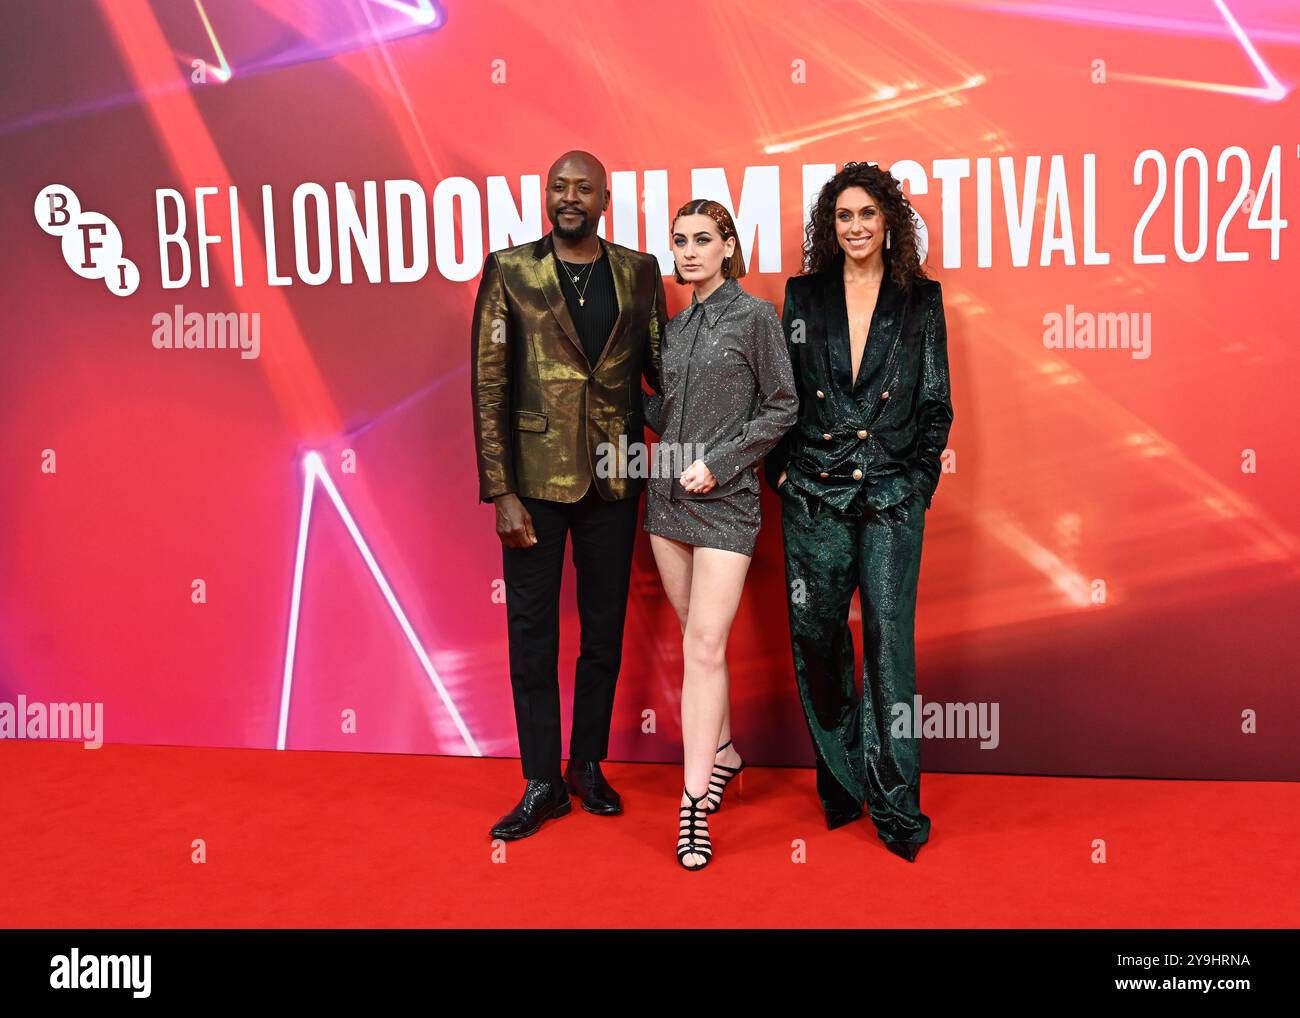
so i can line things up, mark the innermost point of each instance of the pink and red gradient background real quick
(1071, 465)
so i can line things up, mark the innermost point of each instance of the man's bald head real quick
(576, 194)
(578, 163)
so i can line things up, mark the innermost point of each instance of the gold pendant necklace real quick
(582, 294)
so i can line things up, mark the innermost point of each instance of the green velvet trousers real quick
(828, 555)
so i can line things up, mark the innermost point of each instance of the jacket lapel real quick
(623, 270)
(548, 281)
(892, 309)
(886, 329)
(836, 316)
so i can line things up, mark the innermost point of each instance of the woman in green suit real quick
(856, 475)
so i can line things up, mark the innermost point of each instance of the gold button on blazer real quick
(541, 410)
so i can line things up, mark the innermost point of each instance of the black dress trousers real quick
(603, 536)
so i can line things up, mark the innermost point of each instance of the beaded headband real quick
(714, 210)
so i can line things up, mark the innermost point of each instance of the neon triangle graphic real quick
(314, 472)
(422, 12)
(1273, 90)
(223, 73)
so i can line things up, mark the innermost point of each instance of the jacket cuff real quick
(724, 464)
(923, 484)
(491, 494)
(652, 405)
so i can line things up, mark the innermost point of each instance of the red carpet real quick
(102, 838)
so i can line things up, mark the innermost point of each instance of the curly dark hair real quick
(821, 249)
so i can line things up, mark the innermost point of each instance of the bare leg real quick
(717, 579)
(674, 561)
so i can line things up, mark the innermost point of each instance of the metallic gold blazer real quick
(541, 410)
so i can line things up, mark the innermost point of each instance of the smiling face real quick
(699, 249)
(576, 195)
(859, 224)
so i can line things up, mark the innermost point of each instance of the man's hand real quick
(698, 479)
(514, 525)
(780, 480)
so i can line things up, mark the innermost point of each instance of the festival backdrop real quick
(240, 246)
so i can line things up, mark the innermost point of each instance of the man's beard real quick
(578, 232)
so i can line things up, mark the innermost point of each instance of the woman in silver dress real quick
(728, 397)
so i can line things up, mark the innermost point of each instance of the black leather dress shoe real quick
(587, 782)
(542, 800)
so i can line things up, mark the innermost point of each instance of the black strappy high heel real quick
(694, 819)
(719, 780)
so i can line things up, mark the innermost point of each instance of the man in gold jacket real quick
(564, 330)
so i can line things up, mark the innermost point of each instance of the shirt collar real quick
(716, 302)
